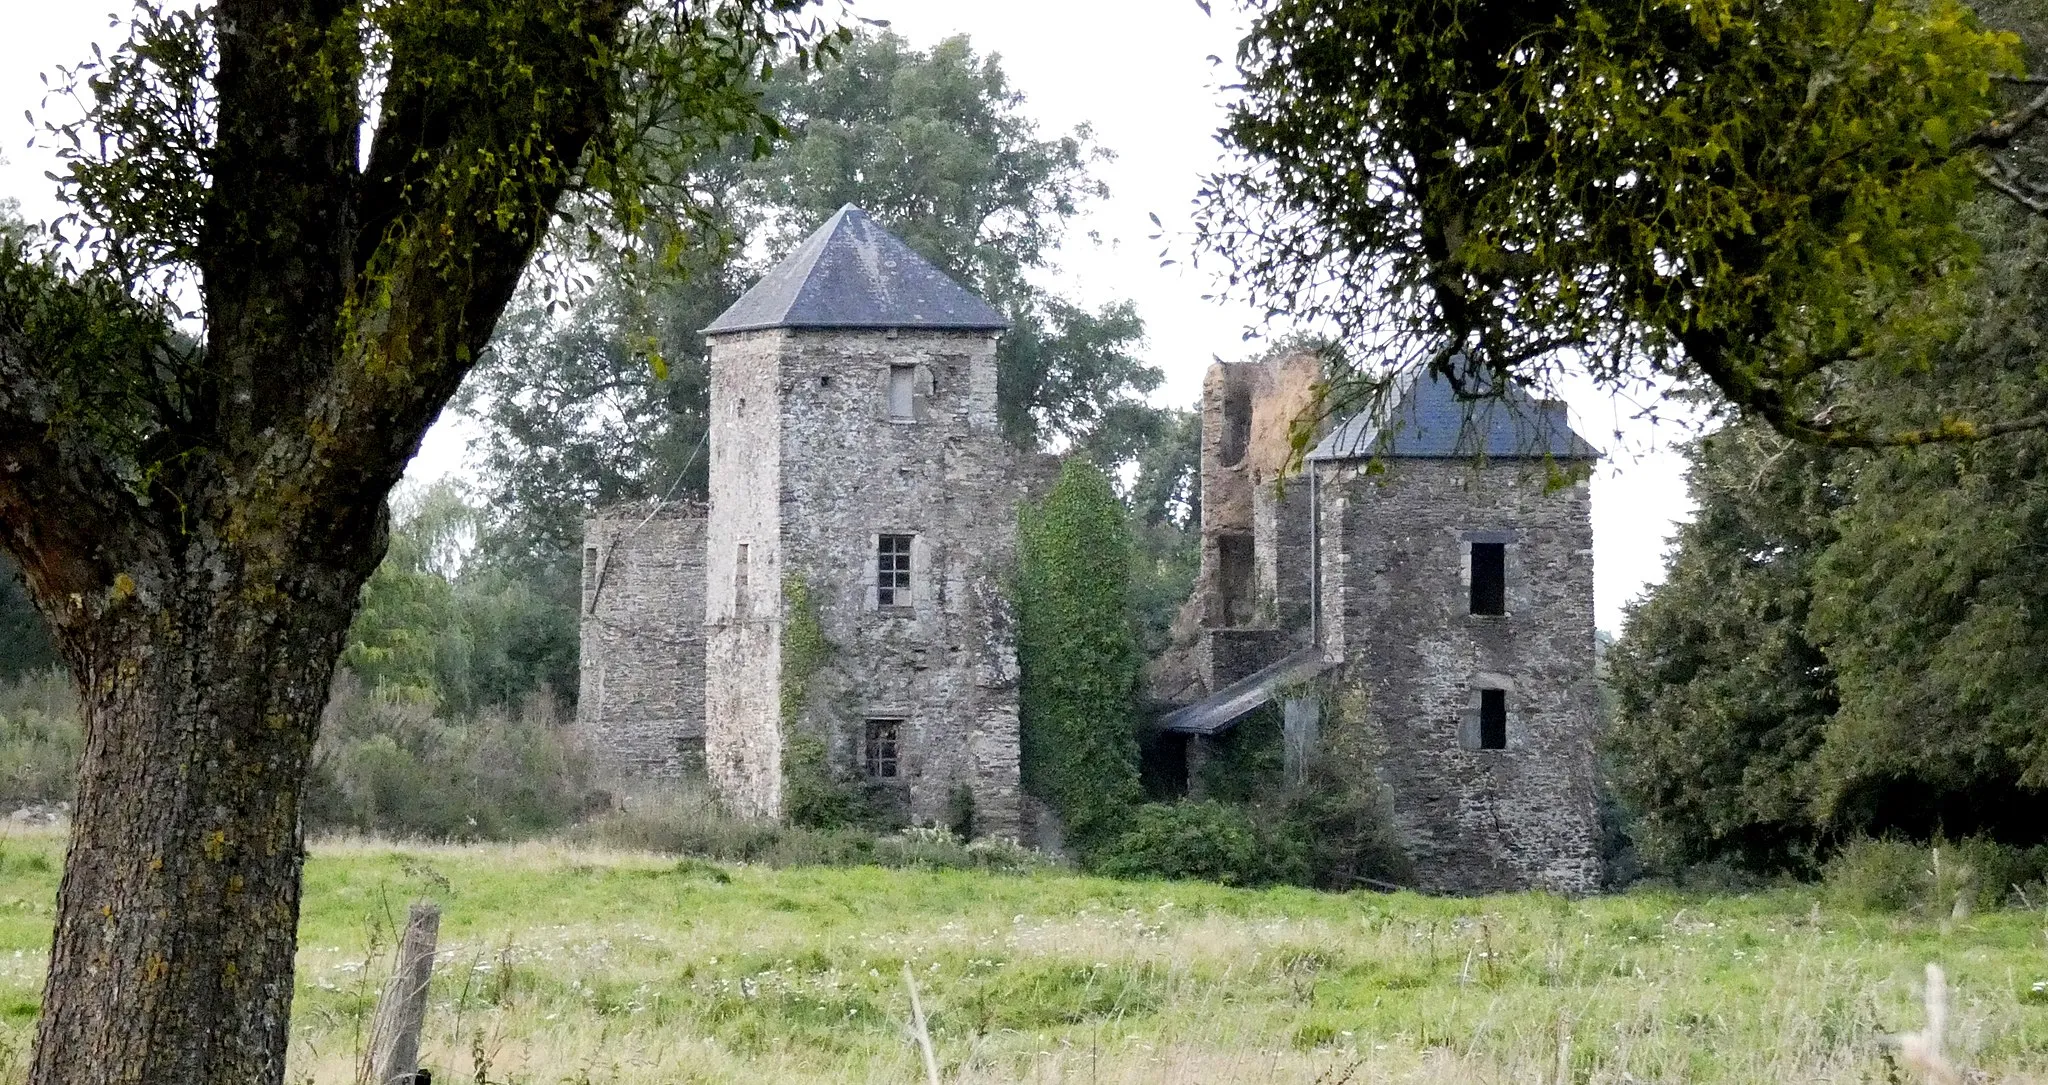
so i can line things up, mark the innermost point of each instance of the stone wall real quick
(1395, 589)
(743, 613)
(841, 473)
(640, 705)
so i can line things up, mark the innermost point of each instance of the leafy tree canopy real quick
(1739, 195)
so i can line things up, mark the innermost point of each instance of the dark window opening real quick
(1236, 579)
(1237, 425)
(892, 571)
(1489, 578)
(1493, 719)
(589, 569)
(880, 753)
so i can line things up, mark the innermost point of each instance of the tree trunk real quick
(178, 911)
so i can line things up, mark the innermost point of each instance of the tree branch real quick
(2000, 133)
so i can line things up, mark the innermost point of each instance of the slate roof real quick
(1429, 421)
(852, 273)
(1222, 709)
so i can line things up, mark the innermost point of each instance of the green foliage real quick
(695, 825)
(395, 768)
(1721, 697)
(1743, 194)
(1937, 879)
(1846, 643)
(1213, 841)
(437, 629)
(1078, 655)
(24, 638)
(40, 738)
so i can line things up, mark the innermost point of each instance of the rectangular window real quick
(589, 573)
(1236, 561)
(1489, 578)
(902, 393)
(1493, 719)
(740, 602)
(880, 753)
(892, 570)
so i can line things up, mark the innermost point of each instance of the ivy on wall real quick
(1078, 655)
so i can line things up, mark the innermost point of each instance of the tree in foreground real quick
(1078, 655)
(1740, 196)
(196, 500)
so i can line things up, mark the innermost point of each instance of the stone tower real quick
(862, 514)
(1455, 588)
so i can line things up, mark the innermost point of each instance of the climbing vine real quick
(1078, 655)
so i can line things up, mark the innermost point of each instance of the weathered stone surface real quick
(640, 707)
(809, 470)
(1395, 591)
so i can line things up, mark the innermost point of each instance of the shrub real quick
(1892, 875)
(1208, 840)
(387, 765)
(40, 739)
(693, 825)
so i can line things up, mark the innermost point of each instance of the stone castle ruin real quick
(838, 602)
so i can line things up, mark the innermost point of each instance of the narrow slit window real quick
(589, 570)
(902, 393)
(740, 573)
(1489, 578)
(1493, 719)
(892, 570)
(882, 752)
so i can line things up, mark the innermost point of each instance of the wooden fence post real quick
(402, 1010)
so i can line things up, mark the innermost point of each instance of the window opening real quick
(740, 602)
(902, 393)
(590, 578)
(881, 752)
(1235, 558)
(1489, 578)
(892, 571)
(1237, 425)
(1493, 719)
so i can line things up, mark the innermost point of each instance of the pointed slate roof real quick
(851, 273)
(1430, 421)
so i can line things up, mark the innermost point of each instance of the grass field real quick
(565, 966)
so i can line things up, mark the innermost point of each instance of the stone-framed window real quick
(893, 568)
(902, 393)
(589, 579)
(881, 748)
(1484, 571)
(1236, 579)
(1486, 719)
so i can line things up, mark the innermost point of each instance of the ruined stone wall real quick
(743, 613)
(842, 473)
(640, 705)
(1395, 588)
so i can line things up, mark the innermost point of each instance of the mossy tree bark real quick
(196, 522)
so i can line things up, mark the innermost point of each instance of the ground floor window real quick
(881, 749)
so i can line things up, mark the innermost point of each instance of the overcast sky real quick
(1138, 71)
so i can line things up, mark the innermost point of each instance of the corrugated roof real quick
(1430, 421)
(851, 273)
(1222, 709)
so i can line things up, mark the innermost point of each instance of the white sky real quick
(1138, 72)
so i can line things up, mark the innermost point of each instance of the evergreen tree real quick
(1078, 655)
(1721, 698)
